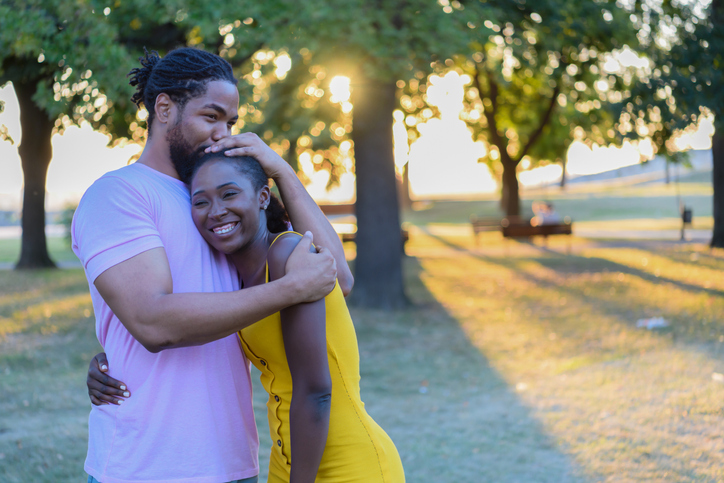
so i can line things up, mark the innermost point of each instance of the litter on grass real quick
(652, 323)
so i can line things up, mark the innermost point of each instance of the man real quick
(167, 306)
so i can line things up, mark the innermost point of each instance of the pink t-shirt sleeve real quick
(113, 223)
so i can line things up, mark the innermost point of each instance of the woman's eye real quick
(228, 194)
(200, 203)
(211, 116)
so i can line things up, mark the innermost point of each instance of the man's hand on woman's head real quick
(313, 270)
(249, 144)
(102, 388)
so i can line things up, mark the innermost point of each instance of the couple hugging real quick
(193, 273)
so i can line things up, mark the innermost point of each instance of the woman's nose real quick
(218, 210)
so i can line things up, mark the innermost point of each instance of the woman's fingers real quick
(242, 140)
(98, 398)
(102, 388)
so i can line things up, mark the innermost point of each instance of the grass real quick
(58, 248)
(517, 363)
(588, 203)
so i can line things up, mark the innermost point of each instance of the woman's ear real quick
(264, 197)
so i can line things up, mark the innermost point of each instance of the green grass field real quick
(518, 362)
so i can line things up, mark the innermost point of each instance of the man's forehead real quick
(219, 93)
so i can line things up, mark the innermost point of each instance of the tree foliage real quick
(684, 43)
(63, 60)
(375, 44)
(537, 80)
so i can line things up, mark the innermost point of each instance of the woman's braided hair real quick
(182, 74)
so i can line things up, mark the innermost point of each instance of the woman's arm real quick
(305, 343)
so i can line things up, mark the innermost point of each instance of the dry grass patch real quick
(625, 403)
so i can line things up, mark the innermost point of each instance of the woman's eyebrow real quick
(226, 184)
(197, 192)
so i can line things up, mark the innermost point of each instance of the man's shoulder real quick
(125, 181)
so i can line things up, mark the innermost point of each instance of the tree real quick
(68, 62)
(539, 81)
(376, 44)
(57, 55)
(685, 46)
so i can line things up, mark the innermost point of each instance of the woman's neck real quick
(250, 260)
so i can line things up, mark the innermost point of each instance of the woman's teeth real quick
(224, 229)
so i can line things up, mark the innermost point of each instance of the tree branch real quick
(490, 114)
(543, 123)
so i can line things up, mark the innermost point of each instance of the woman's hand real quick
(249, 144)
(102, 388)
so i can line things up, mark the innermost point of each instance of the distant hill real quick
(650, 171)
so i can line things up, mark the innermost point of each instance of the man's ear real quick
(164, 108)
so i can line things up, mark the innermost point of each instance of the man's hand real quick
(249, 144)
(102, 388)
(314, 272)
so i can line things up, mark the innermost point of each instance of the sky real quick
(443, 162)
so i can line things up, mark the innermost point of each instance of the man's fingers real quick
(305, 243)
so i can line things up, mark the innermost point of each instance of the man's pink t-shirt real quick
(190, 416)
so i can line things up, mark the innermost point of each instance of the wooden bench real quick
(524, 229)
(481, 224)
(347, 229)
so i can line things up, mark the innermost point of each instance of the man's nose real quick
(220, 132)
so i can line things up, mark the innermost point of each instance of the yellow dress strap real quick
(272, 243)
(283, 233)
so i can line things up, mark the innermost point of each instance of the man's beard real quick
(183, 156)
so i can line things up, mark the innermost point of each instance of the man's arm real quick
(139, 291)
(303, 211)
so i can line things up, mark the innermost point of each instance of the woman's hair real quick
(182, 74)
(277, 219)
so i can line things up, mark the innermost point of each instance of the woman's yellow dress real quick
(357, 449)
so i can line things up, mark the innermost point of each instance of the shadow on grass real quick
(451, 415)
(571, 264)
(47, 316)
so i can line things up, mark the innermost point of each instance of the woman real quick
(307, 354)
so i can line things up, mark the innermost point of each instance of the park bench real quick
(524, 229)
(481, 224)
(348, 230)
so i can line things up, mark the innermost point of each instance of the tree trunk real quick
(378, 267)
(510, 199)
(35, 154)
(717, 151)
(564, 162)
(668, 174)
(404, 188)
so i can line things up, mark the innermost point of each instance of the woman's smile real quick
(225, 229)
